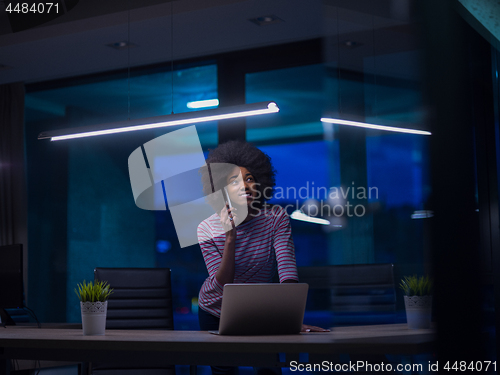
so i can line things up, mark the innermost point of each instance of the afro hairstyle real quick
(242, 154)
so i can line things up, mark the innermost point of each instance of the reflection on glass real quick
(366, 183)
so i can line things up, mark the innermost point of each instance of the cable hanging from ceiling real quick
(362, 124)
(185, 118)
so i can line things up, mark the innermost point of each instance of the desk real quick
(203, 348)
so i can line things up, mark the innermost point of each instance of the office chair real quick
(355, 294)
(141, 299)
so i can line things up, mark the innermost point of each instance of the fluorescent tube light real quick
(185, 118)
(299, 215)
(373, 126)
(422, 214)
(203, 103)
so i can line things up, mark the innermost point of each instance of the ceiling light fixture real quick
(422, 214)
(299, 215)
(374, 126)
(352, 44)
(203, 103)
(121, 45)
(266, 20)
(184, 118)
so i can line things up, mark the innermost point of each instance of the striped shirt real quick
(262, 245)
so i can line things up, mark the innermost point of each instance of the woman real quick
(260, 243)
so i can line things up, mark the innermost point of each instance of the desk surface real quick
(380, 338)
(203, 348)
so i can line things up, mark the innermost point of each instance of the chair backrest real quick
(354, 288)
(141, 299)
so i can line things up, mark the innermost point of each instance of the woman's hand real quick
(227, 218)
(225, 273)
(308, 328)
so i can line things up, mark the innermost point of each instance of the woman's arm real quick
(283, 247)
(225, 273)
(285, 254)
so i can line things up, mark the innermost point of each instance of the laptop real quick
(262, 309)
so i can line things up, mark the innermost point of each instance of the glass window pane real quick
(299, 94)
(82, 189)
(366, 183)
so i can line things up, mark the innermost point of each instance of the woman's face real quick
(242, 188)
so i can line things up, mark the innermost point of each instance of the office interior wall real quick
(392, 226)
(13, 195)
(82, 211)
(310, 161)
(106, 230)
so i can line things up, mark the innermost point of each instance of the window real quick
(82, 190)
(368, 184)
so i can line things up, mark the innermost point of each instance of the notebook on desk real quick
(262, 309)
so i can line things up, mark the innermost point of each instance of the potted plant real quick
(418, 300)
(94, 303)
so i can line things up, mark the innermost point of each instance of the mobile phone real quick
(228, 200)
(226, 197)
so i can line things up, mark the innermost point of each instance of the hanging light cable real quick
(128, 59)
(375, 87)
(185, 118)
(360, 124)
(172, 50)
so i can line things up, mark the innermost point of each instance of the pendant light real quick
(213, 114)
(373, 126)
(185, 118)
(299, 215)
(361, 124)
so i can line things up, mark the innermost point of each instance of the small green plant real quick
(93, 292)
(416, 286)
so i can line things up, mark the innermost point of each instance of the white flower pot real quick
(94, 318)
(418, 311)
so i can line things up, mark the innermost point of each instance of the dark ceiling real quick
(77, 42)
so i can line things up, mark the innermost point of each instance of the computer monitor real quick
(11, 279)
